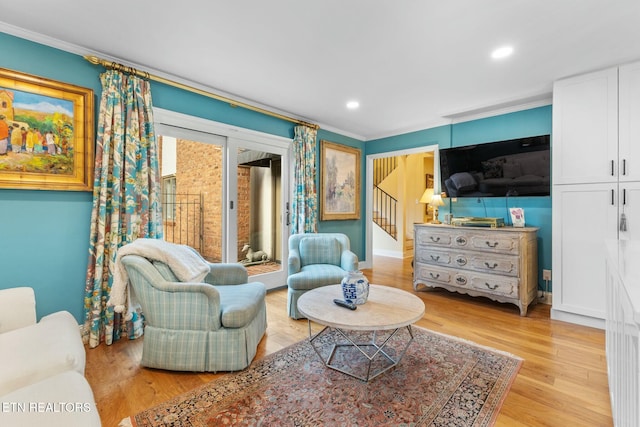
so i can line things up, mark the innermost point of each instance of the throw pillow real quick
(463, 181)
(492, 168)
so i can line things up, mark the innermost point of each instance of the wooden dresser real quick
(497, 263)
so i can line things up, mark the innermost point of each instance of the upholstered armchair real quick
(316, 259)
(211, 326)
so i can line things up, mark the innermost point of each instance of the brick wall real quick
(244, 208)
(199, 170)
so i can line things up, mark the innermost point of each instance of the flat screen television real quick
(516, 167)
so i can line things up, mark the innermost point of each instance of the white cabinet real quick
(585, 128)
(596, 178)
(629, 131)
(584, 216)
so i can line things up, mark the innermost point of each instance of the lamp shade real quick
(427, 196)
(436, 200)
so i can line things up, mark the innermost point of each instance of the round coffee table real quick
(386, 309)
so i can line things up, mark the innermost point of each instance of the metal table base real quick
(378, 351)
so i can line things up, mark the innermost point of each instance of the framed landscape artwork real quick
(46, 134)
(339, 182)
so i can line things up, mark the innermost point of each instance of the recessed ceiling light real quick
(352, 105)
(502, 52)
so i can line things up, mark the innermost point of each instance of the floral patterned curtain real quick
(304, 207)
(126, 196)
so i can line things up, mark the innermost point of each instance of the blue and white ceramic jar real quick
(355, 287)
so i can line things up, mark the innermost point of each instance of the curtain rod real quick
(116, 66)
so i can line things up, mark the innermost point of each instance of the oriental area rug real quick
(440, 381)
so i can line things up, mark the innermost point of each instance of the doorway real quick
(411, 210)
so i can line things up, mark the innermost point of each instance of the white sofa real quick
(41, 366)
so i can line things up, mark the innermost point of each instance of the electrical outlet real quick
(546, 274)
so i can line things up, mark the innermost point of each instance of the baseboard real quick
(388, 253)
(545, 297)
(578, 319)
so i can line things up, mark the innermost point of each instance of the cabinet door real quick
(629, 153)
(630, 206)
(584, 217)
(585, 128)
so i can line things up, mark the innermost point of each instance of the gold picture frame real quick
(56, 140)
(339, 182)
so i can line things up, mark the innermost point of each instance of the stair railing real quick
(385, 208)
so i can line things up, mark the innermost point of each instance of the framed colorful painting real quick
(339, 182)
(46, 134)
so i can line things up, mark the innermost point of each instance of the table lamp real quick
(436, 201)
(426, 199)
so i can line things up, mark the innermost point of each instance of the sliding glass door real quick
(226, 196)
(257, 199)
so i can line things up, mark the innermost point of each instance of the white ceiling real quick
(412, 64)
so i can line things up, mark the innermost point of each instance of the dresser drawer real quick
(429, 237)
(431, 273)
(498, 264)
(431, 255)
(486, 241)
(495, 285)
(495, 242)
(470, 240)
(469, 260)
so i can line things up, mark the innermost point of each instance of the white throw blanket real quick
(186, 264)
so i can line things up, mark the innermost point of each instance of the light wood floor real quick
(563, 381)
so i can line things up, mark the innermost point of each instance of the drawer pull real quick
(495, 264)
(434, 276)
(461, 240)
(491, 245)
(461, 261)
(435, 239)
(435, 257)
(461, 280)
(493, 288)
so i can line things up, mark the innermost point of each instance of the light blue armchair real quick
(316, 259)
(212, 326)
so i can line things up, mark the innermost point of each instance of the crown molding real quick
(506, 107)
(446, 119)
(410, 129)
(83, 51)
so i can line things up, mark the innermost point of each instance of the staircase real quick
(384, 205)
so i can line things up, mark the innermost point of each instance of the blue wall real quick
(536, 121)
(354, 228)
(44, 234)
